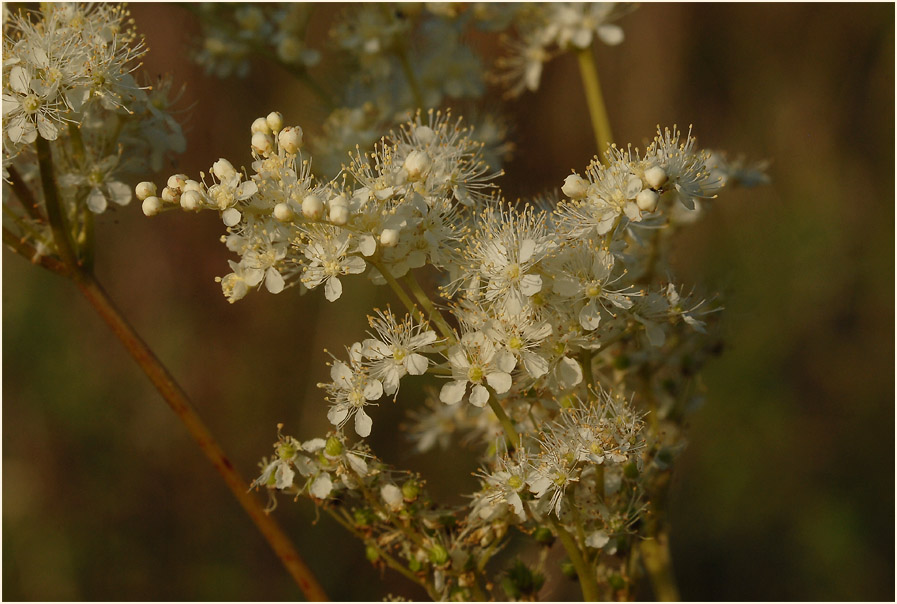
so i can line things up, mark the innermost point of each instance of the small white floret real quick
(231, 216)
(170, 195)
(416, 164)
(177, 181)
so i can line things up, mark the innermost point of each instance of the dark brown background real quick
(786, 490)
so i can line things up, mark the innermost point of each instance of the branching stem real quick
(597, 111)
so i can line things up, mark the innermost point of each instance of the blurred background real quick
(786, 491)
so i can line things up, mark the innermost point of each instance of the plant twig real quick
(587, 580)
(597, 111)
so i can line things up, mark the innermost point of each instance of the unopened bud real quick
(176, 181)
(192, 185)
(262, 143)
(438, 555)
(152, 205)
(290, 139)
(275, 121)
(424, 134)
(410, 490)
(575, 187)
(647, 200)
(312, 207)
(223, 169)
(656, 177)
(371, 553)
(283, 212)
(416, 164)
(389, 238)
(260, 125)
(170, 195)
(191, 200)
(333, 447)
(145, 189)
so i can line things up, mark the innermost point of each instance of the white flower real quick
(328, 252)
(351, 390)
(475, 360)
(394, 354)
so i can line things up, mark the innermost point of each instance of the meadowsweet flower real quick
(350, 391)
(328, 252)
(477, 361)
(393, 353)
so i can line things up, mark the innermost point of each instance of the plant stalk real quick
(597, 111)
(587, 580)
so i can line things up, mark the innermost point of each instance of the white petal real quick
(505, 361)
(452, 392)
(367, 245)
(392, 495)
(416, 364)
(535, 365)
(363, 423)
(610, 34)
(590, 316)
(598, 539)
(499, 380)
(120, 192)
(358, 464)
(530, 284)
(284, 476)
(527, 247)
(274, 281)
(373, 390)
(655, 333)
(231, 216)
(47, 129)
(569, 373)
(315, 444)
(479, 395)
(341, 374)
(19, 80)
(321, 487)
(353, 265)
(96, 201)
(566, 286)
(337, 414)
(333, 289)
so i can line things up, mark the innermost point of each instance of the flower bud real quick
(191, 200)
(283, 212)
(416, 164)
(575, 187)
(145, 189)
(231, 216)
(176, 181)
(339, 215)
(410, 490)
(152, 205)
(290, 139)
(223, 169)
(170, 195)
(438, 555)
(192, 185)
(312, 207)
(333, 447)
(262, 143)
(647, 200)
(275, 121)
(389, 238)
(260, 125)
(424, 134)
(371, 553)
(543, 535)
(363, 517)
(656, 177)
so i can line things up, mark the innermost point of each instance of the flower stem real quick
(658, 562)
(597, 111)
(163, 381)
(403, 296)
(432, 311)
(506, 423)
(587, 580)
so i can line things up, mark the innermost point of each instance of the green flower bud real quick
(616, 581)
(333, 447)
(363, 517)
(371, 553)
(415, 565)
(543, 535)
(410, 490)
(438, 555)
(568, 569)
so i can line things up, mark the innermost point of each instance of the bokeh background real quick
(786, 491)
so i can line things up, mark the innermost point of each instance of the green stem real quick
(395, 286)
(505, 421)
(26, 197)
(587, 580)
(408, 70)
(30, 253)
(655, 554)
(62, 232)
(433, 313)
(597, 111)
(585, 359)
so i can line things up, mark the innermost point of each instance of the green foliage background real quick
(786, 490)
